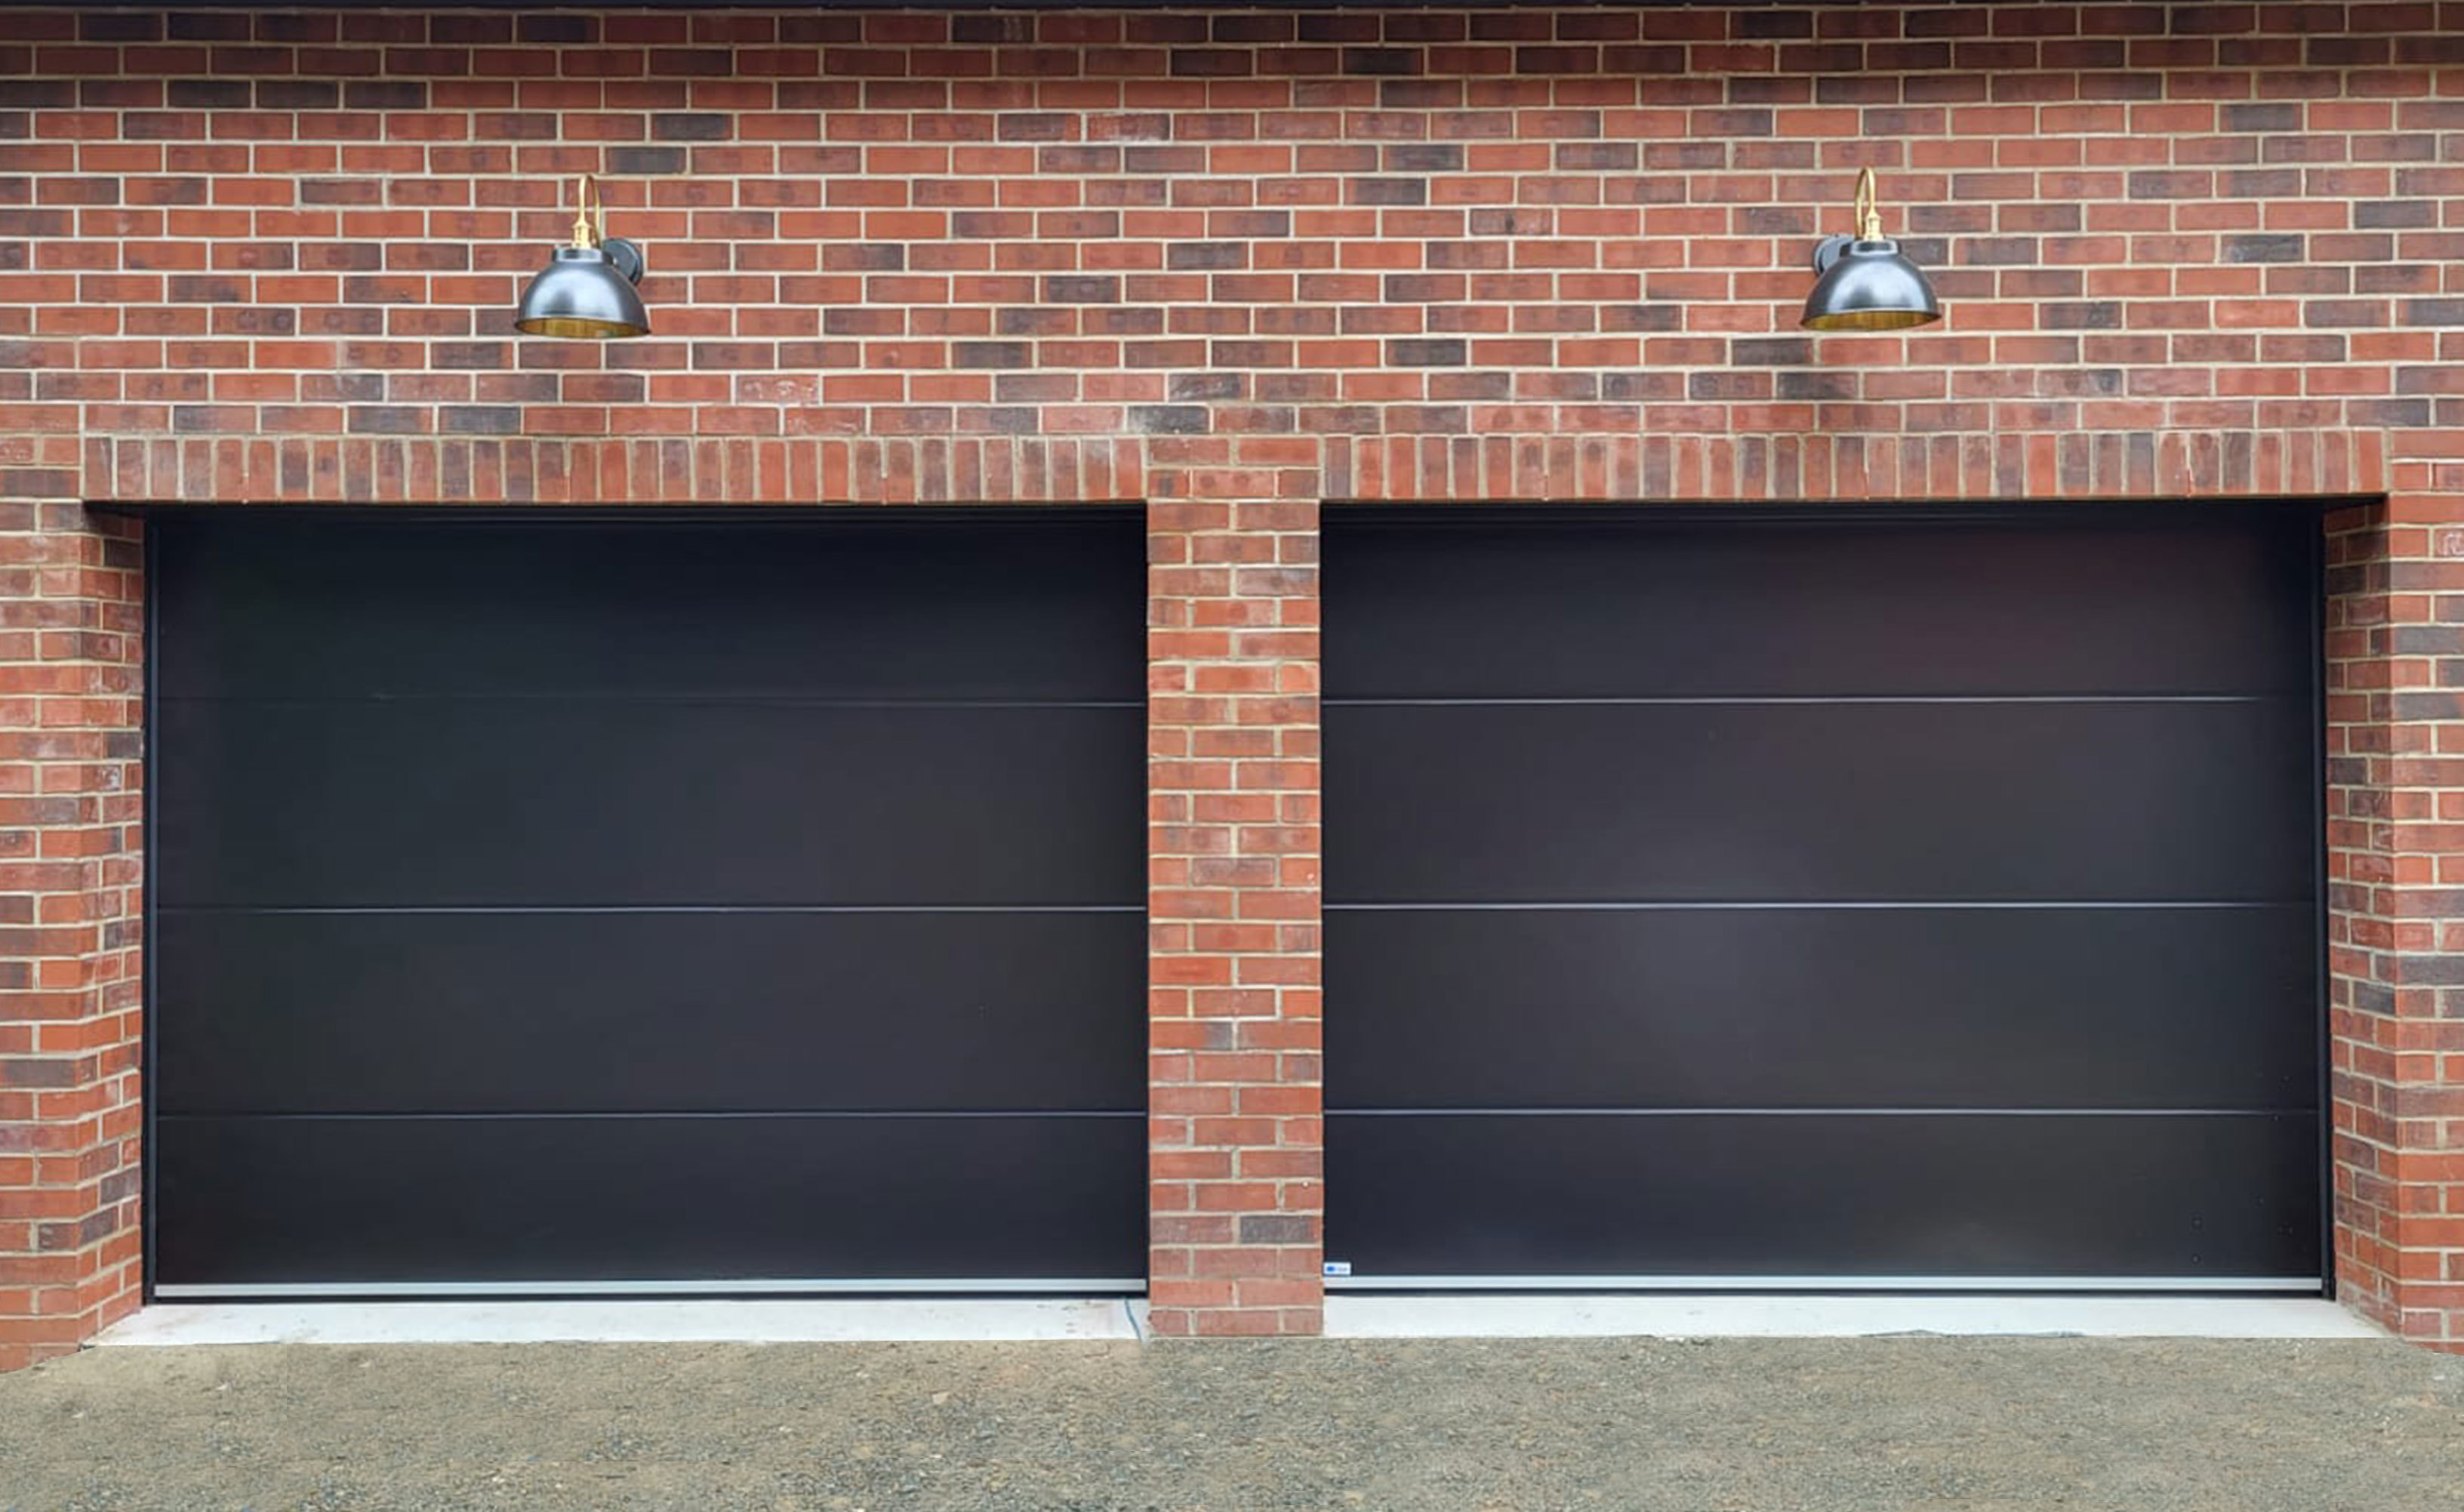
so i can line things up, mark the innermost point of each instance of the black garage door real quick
(589, 904)
(1886, 898)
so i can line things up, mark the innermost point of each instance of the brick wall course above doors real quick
(1233, 263)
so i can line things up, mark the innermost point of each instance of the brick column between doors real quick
(1235, 1155)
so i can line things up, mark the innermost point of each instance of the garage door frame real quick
(2310, 514)
(1128, 517)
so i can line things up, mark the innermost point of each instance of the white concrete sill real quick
(1583, 1315)
(838, 1320)
(832, 1320)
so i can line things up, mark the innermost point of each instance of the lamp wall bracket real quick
(625, 257)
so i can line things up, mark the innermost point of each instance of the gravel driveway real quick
(1982, 1425)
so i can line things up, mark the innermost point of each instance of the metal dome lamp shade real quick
(586, 293)
(1866, 284)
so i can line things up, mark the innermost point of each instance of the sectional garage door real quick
(598, 905)
(1867, 898)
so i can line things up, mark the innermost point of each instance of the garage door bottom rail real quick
(2275, 1285)
(463, 1291)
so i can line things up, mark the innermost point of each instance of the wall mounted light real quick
(1866, 285)
(588, 290)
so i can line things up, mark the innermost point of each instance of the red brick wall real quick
(1233, 912)
(70, 623)
(1234, 263)
(2396, 817)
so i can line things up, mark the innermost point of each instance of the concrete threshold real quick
(1797, 1316)
(1354, 1316)
(832, 1320)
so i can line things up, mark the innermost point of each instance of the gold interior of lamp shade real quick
(581, 330)
(1872, 320)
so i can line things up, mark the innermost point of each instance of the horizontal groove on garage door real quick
(666, 902)
(677, 907)
(1840, 896)
(1801, 698)
(1540, 1110)
(686, 697)
(653, 1115)
(1709, 905)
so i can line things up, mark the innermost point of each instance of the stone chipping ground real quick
(1640, 1425)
